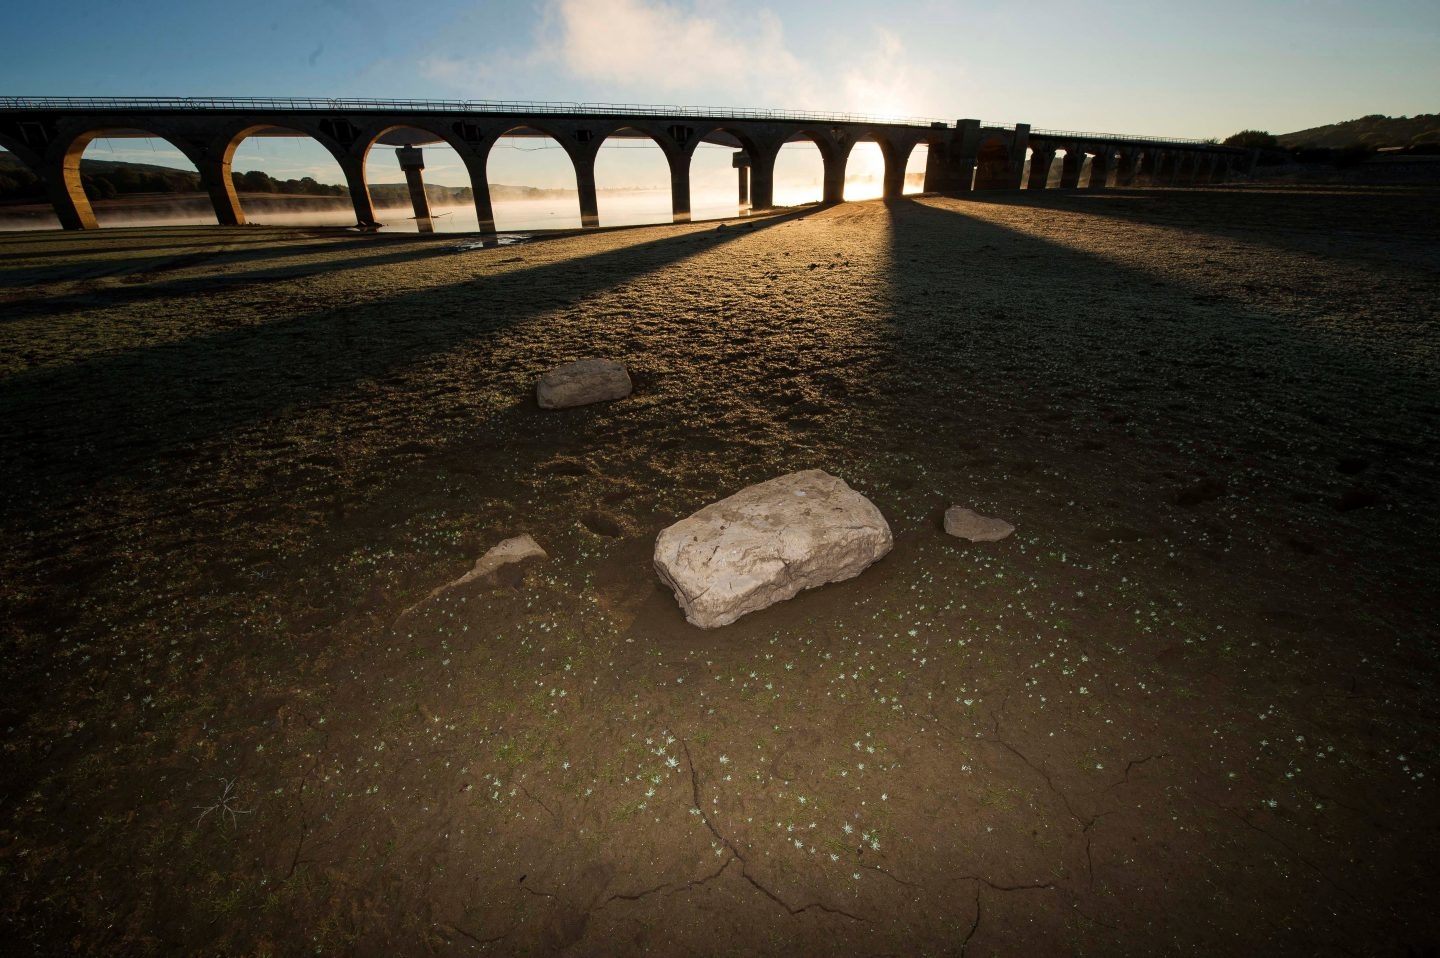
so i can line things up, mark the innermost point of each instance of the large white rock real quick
(766, 543)
(581, 383)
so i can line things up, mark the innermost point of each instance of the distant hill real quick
(1376, 132)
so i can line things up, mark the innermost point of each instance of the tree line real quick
(122, 179)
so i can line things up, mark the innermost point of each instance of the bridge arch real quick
(798, 179)
(450, 151)
(865, 167)
(760, 152)
(71, 185)
(549, 161)
(907, 165)
(231, 181)
(708, 155)
(643, 158)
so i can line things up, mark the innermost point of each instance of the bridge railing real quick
(312, 104)
(1120, 137)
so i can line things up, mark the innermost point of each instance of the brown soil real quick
(1189, 707)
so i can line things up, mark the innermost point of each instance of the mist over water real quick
(557, 212)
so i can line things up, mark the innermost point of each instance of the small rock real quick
(581, 383)
(516, 549)
(971, 525)
(768, 542)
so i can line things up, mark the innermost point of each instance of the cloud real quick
(886, 82)
(685, 51)
(651, 47)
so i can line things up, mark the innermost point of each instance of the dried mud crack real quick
(1201, 665)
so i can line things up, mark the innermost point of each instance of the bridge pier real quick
(1100, 168)
(1148, 168)
(762, 177)
(833, 183)
(1070, 170)
(1184, 169)
(946, 170)
(354, 169)
(679, 189)
(585, 184)
(480, 190)
(1041, 159)
(741, 163)
(412, 162)
(67, 194)
(215, 180)
(1167, 168)
(893, 184)
(1125, 170)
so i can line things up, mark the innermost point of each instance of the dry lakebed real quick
(1188, 707)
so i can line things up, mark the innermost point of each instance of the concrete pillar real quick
(1070, 171)
(1125, 171)
(1169, 168)
(1185, 168)
(741, 162)
(585, 183)
(893, 184)
(762, 177)
(1150, 171)
(1018, 147)
(1040, 160)
(833, 182)
(679, 186)
(1100, 168)
(215, 179)
(412, 163)
(946, 170)
(354, 169)
(967, 154)
(480, 190)
(67, 194)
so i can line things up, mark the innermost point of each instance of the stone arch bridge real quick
(49, 135)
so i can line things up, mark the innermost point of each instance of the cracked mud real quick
(1187, 707)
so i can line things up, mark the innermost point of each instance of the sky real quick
(1156, 67)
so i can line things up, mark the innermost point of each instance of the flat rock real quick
(768, 542)
(516, 549)
(971, 525)
(583, 382)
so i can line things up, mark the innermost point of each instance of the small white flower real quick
(884, 797)
(724, 760)
(847, 828)
(671, 762)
